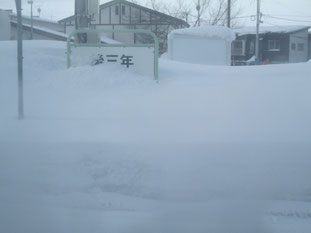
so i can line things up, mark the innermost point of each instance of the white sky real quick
(292, 9)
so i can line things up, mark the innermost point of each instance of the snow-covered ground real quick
(208, 149)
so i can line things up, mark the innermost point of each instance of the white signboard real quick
(142, 58)
(139, 59)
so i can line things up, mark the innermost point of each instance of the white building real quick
(121, 14)
(209, 45)
(42, 29)
(277, 44)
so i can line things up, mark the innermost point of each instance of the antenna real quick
(39, 11)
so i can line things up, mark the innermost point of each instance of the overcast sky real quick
(295, 10)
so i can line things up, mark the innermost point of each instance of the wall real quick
(199, 50)
(250, 43)
(4, 26)
(296, 38)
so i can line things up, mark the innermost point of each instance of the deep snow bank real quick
(192, 103)
(110, 151)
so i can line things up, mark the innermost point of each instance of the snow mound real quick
(211, 32)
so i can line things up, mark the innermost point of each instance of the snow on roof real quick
(211, 32)
(43, 29)
(269, 29)
(35, 18)
(108, 40)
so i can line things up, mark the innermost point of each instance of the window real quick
(293, 46)
(301, 47)
(238, 48)
(251, 47)
(274, 45)
(116, 10)
(123, 10)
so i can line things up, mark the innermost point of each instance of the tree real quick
(198, 12)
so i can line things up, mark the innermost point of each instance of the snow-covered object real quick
(50, 31)
(209, 32)
(5, 27)
(108, 40)
(269, 29)
(209, 45)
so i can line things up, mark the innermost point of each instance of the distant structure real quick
(86, 15)
(116, 14)
(5, 27)
(278, 44)
(206, 45)
(42, 30)
(121, 14)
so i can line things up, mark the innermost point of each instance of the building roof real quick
(209, 32)
(44, 31)
(34, 18)
(107, 4)
(270, 29)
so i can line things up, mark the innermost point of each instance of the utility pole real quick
(257, 30)
(31, 19)
(20, 59)
(199, 13)
(229, 14)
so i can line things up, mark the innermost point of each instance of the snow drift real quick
(106, 150)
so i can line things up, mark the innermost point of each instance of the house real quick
(42, 29)
(278, 44)
(121, 14)
(207, 45)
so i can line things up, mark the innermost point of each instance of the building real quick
(279, 44)
(121, 14)
(207, 45)
(42, 29)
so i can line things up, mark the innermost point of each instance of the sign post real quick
(142, 58)
(20, 59)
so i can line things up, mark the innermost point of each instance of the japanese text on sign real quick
(124, 60)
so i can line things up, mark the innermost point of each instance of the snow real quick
(269, 29)
(211, 32)
(106, 150)
(35, 18)
(44, 29)
(108, 40)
